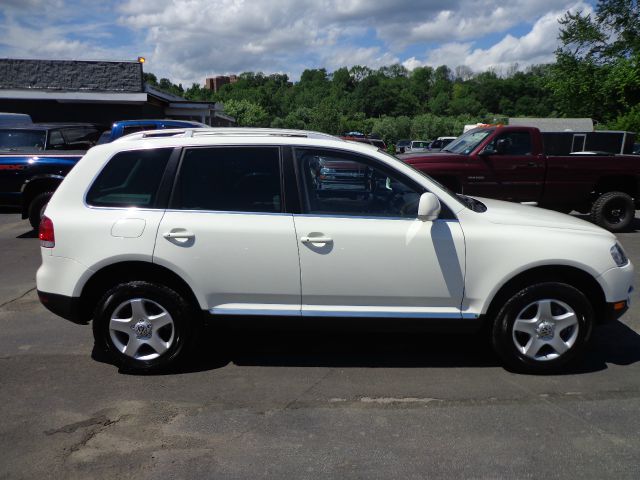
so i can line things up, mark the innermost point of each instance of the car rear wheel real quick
(143, 326)
(542, 327)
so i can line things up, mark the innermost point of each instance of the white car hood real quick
(509, 213)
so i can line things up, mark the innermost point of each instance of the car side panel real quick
(235, 261)
(491, 264)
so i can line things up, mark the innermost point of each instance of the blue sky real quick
(188, 40)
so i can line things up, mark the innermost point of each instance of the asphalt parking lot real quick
(305, 405)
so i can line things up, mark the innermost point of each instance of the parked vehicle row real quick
(197, 225)
(361, 138)
(418, 146)
(34, 158)
(510, 163)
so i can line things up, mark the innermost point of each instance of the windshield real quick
(104, 138)
(14, 140)
(466, 143)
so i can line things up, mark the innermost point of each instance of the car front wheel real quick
(542, 327)
(143, 326)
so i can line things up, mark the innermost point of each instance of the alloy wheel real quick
(545, 329)
(141, 329)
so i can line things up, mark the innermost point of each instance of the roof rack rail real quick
(227, 131)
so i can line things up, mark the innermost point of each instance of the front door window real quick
(339, 184)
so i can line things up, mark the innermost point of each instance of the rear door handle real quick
(316, 239)
(178, 234)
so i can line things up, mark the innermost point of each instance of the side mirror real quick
(428, 207)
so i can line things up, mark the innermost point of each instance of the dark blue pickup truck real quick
(35, 158)
(125, 127)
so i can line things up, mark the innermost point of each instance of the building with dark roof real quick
(93, 91)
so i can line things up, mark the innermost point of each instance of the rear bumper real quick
(63, 306)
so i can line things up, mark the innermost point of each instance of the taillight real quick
(47, 237)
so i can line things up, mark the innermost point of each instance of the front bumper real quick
(613, 311)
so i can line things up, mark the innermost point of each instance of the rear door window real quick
(235, 179)
(130, 179)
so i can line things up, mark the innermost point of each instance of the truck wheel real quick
(143, 326)
(613, 211)
(37, 206)
(542, 327)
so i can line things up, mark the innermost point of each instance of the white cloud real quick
(52, 43)
(372, 57)
(535, 47)
(187, 40)
(473, 19)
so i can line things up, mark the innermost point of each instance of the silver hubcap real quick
(545, 329)
(141, 329)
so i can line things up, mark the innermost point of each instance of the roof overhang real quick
(197, 109)
(74, 97)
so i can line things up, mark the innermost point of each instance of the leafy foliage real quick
(597, 69)
(596, 74)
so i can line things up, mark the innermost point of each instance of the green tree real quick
(420, 84)
(247, 114)
(150, 78)
(597, 69)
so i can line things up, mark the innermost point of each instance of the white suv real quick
(152, 234)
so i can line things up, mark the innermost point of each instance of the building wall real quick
(71, 75)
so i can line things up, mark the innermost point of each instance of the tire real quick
(543, 327)
(613, 211)
(125, 326)
(36, 208)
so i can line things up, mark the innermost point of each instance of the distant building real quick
(215, 83)
(93, 91)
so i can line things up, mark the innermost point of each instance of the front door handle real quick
(178, 234)
(316, 239)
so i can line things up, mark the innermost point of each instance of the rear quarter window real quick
(130, 179)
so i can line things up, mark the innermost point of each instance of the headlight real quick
(618, 255)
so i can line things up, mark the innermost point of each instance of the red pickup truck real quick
(510, 163)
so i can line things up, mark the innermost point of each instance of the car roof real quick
(214, 136)
(196, 132)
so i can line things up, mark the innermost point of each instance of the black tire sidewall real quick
(502, 338)
(36, 205)
(603, 203)
(170, 300)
